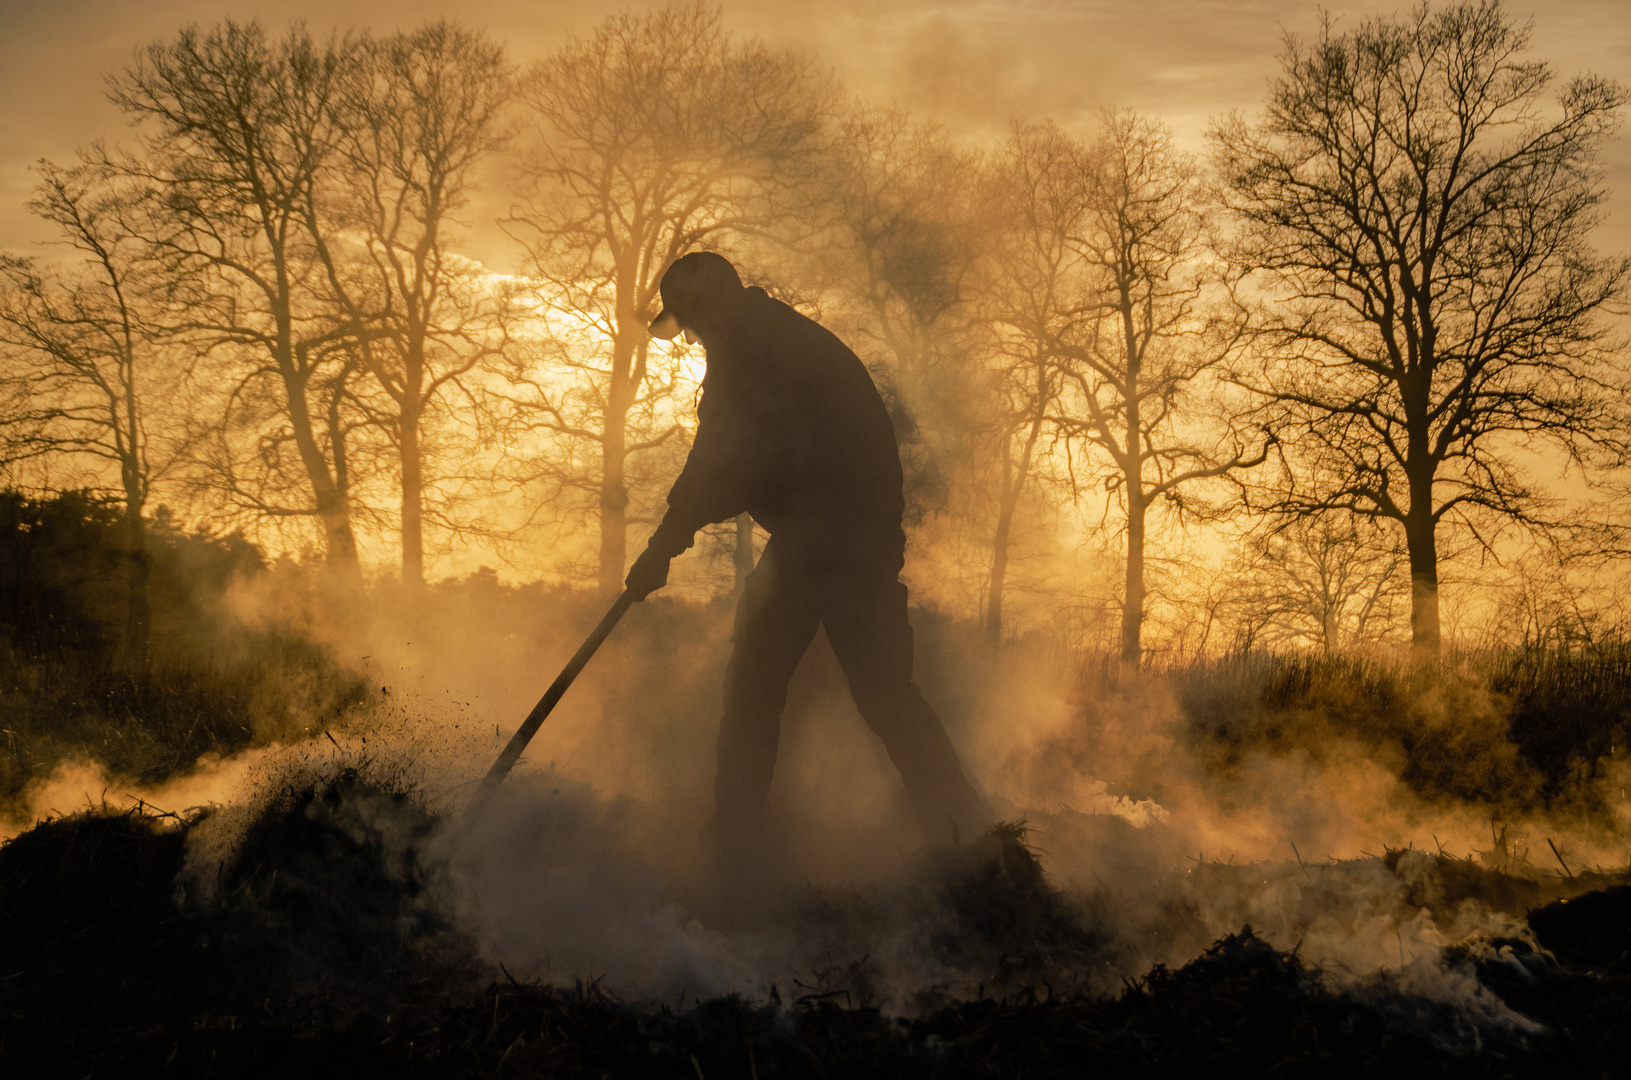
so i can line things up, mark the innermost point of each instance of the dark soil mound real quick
(90, 936)
(330, 882)
(87, 908)
(322, 953)
(1243, 1008)
(320, 912)
(980, 917)
(1008, 919)
(1588, 931)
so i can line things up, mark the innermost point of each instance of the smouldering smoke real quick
(591, 866)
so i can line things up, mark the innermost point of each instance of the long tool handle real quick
(535, 719)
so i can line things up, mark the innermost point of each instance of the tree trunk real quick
(1422, 546)
(1013, 483)
(413, 482)
(332, 500)
(138, 617)
(1132, 476)
(999, 569)
(1007, 500)
(132, 473)
(1420, 543)
(339, 540)
(334, 495)
(1132, 608)
(628, 372)
(614, 496)
(742, 556)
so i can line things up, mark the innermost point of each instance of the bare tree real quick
(1417, 222)
(1545, 606)
(417, 117)
(87, 362)
(239, 133)
(658, 133)
(907, 209)
(1027, 288)
(907, 226)
(1146, 344)
(1336, 585)
(1099, 294)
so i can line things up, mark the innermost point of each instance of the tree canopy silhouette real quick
(87, 364)
(418, 116)
(239, 139)
(657, 134)
(1415, 220)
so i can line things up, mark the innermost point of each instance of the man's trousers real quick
(863, 608)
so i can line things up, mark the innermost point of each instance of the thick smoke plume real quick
(1152, 836)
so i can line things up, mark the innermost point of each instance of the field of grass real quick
(326, 939)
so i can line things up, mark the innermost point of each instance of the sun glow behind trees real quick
(361, 388)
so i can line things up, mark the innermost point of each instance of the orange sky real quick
(970, 64)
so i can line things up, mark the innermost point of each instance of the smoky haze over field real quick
(500, 464)
(1216, 581)
(972, 66)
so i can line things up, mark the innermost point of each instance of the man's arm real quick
(712, 487)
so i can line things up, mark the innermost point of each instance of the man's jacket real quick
(791, 429)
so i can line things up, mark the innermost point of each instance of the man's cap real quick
(689, 285)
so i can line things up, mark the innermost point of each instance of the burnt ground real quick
(316, 949)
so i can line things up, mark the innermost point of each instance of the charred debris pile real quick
(318, 944)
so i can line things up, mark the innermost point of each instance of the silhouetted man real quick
(791, 430)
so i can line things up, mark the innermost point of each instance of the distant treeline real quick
(75, 687)
(65, 574)
(1335, 330)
